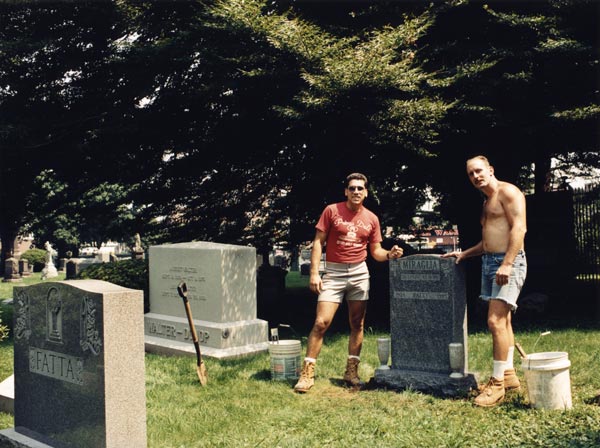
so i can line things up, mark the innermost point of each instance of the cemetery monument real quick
(49, 270)
(221, 282)
(428, 313)
(79, 374)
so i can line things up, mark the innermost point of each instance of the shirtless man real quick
(503, 270)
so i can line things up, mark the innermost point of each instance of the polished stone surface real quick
(79, 364)
(428, 311)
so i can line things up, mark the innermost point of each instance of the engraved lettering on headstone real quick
(90, 336)
(420, 277)
(421, 295)
(188, 274)
(419, 265)
(169, 331)
(56, 365)
(54, 332)
(23, 318)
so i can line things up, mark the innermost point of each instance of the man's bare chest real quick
(492, 210)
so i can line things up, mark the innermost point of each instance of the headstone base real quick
(12, 280)
(10, 438)
(49, 271)
(170, 335)
(161, 346)
(437, 384)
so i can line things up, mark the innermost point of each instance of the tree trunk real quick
(8, 238)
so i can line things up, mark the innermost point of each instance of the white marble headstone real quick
(221, 283)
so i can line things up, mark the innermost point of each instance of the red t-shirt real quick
(348, 232)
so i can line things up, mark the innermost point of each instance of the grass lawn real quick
(242, 407)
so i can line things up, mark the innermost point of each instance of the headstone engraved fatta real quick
(428, 311)
(79, 366)
(221, 283)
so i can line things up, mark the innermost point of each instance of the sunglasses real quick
(356, 188)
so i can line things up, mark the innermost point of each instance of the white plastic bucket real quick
(285, 359)
(548, 381)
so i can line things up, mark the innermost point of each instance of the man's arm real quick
(513, 203)
(380, 254)
(315, 282)
(473, 251)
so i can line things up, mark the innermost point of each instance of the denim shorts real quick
(509, 293)
(349, 280)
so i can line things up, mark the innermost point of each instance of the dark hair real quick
(356, 176)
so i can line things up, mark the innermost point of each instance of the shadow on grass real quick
(262, 375)
(595, 400)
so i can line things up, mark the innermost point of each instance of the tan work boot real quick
(491, 394)
(511, 380)
(351, 375)
(307, 377)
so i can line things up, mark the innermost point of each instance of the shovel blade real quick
(202, 373)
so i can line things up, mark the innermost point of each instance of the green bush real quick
(3, 329)
(35, 258)
(127, 273)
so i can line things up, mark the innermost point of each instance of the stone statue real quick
(138, 243)
(48, 248)
(49, 270)
(138, 250)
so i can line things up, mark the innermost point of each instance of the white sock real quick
(353, 356)
(313, 360)
(510, 359)
(499, 368)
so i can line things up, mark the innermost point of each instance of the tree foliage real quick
(237, 120)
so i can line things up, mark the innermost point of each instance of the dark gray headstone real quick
(11, 270)
(72, 268)
(24, 268)
(79, 365)
(428, 311)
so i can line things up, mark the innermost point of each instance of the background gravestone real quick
(24, 268)
(428, 311)
(221, 282)
(79, 374)
(11, 270)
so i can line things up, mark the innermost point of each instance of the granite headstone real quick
(221, 282)
(24, 267)
(11, 270)
(79, 376)
(428, 311)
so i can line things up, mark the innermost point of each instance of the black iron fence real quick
(586, 220)
(586, 209)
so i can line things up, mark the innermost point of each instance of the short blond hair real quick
(484, 159)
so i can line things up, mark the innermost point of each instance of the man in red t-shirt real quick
(345, 228)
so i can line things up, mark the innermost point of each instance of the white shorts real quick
(349, 280)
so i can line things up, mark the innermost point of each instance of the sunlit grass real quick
(242, 407)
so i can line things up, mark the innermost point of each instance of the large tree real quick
(291, 103)
(236, 120)
(67, 103)
(526, 78)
